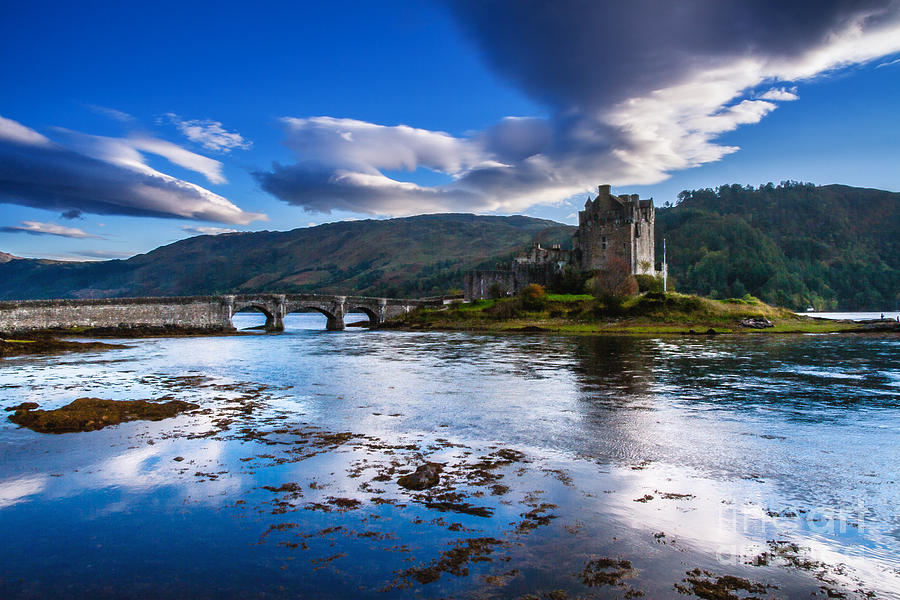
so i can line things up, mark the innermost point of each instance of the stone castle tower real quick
(615, 226)
(620, 226)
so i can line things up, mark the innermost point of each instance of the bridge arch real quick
(333, 310)
(270, 314)
(374, 318)
(330, 317)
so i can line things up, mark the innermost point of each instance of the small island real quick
(649, 313)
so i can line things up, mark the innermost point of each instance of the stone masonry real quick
(195, 314)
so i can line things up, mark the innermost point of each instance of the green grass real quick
(568, 297)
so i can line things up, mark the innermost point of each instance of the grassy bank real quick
(648, 314)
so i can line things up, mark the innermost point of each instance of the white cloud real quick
(208, 230)
(780, 94)
(103, 254)
(368, 147)
(209, 134)
(38, 228)
(208, 167)
(112, 113)
(12, 131)
(104, 175)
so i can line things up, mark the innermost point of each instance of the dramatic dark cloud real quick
(635, 91)
(107, 176)
(587, 55)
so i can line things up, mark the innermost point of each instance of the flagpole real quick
(665, 269)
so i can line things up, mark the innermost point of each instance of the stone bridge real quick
(192, 313)
(276, 306)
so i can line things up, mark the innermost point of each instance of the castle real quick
(609, 226)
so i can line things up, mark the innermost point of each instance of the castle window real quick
(603, 242)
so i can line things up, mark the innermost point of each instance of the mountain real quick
(4, 257)
(409, 257)
(794, 245)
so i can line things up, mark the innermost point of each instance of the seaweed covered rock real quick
(49, 345)
(757, 323)
(424, 477)
(90, 414)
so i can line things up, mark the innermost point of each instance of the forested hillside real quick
(410, 257)
(795, 244)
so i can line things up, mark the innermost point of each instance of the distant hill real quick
(795, 244)
(409, 257)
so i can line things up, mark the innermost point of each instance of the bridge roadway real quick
(193, 313)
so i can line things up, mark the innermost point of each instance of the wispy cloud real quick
(210, 134)
(112, 113)
(101, 254)
(888, 63)
(38, 228)
(104, 175)
(208, 230)
(628, 104)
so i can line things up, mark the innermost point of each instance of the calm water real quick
(772, 459)
(854, 316)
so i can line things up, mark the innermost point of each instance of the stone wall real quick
(511, 280)
(194, 313)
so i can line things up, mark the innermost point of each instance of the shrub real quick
(649, 283)
(611, 305)
(533, 297)
(505, 309)
(569, 281)
(496, 290)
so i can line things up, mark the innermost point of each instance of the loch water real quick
(572, 466)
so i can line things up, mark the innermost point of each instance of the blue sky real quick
(128, 126)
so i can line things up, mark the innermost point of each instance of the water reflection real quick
(672, 454)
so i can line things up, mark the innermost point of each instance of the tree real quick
(615, 281)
